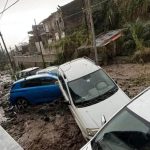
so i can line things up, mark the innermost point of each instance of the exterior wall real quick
(33, 60)
(38, 44)
(54, 26)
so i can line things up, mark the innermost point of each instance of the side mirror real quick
(67, 102)
(103, 120)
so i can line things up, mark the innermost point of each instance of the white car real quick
(27, 72)
(129, 129)
(90, 93)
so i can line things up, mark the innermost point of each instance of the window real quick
(92, 88)
(126, 131)
(31, 83)
(47, 81)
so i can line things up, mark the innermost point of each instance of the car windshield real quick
(92, 88)
(126, 131)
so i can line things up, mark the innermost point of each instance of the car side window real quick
(48, 81)
(31, 83)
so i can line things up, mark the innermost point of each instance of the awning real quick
(105, 38)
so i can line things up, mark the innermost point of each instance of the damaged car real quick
(35, 89)
(90, 94)
(129, 129)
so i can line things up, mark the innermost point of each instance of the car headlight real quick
(92, 132)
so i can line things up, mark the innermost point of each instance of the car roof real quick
(78, 68)
(29, 69)
(141, 105)
(36, 76)
(48, 69)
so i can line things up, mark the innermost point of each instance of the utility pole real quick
(44, 65)
(11, 65)
(89, 12)
(1, 48)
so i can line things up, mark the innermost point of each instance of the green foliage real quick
(136, 30)
(106, 16)
(142, 56)
(141, 33)
(110, 15)
(69, 44)
(133, 9)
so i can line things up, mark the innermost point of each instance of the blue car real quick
(34, 89)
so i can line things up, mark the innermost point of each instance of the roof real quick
(141, 105)
(105, 38)
(78, 68)
(29, 69)
(36, 76)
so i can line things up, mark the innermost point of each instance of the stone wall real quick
(33, 60)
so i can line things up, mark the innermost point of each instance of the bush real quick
(142, 56)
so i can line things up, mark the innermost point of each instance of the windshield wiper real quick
(111, 91)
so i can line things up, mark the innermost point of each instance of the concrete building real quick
(48, 32)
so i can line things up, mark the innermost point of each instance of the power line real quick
(4, 9)
(85, 9)
(9, 6)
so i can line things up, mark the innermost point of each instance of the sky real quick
(18, 20)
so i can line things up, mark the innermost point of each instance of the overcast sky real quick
(18, 20)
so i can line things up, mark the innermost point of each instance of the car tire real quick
(22, 104)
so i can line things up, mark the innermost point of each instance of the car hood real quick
(91, 115)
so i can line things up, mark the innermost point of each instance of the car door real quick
(50, 89)
(32, 90)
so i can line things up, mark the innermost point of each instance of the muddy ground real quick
(52, 127)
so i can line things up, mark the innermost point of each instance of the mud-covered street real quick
(52, 127)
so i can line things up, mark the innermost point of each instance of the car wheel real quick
(22, 103)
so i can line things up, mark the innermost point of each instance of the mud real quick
(132, 78)
(52, 127)
(44, 127)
